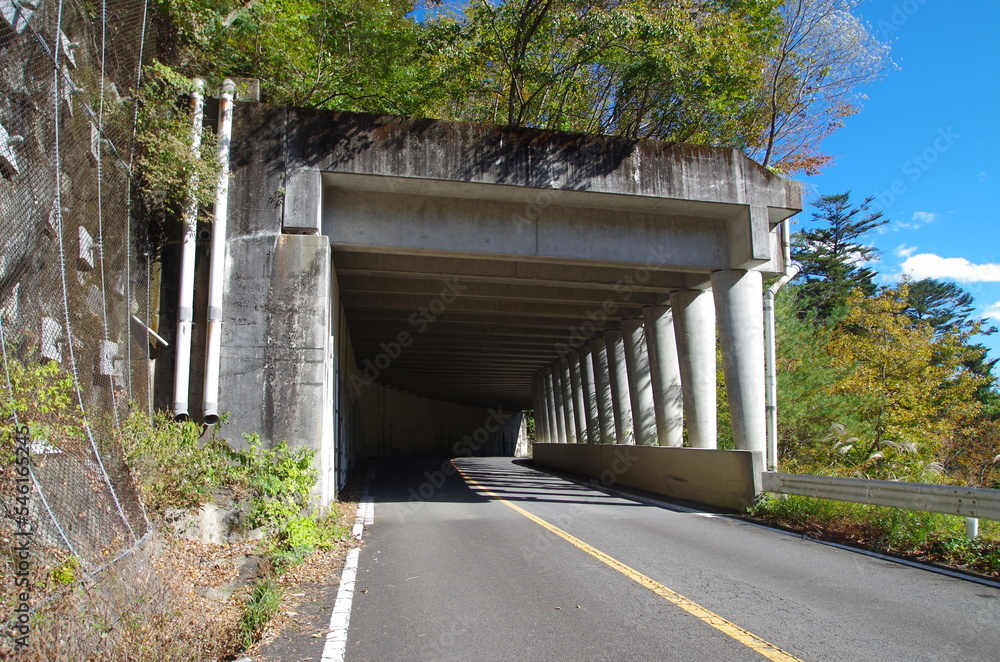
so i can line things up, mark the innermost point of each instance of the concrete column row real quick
(643, 384)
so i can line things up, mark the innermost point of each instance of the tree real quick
(675, 70)
(949, 308)
(832, 257)
(807, 404)
(825, 55)
(359, 55)
(911, 386)
(945, 306)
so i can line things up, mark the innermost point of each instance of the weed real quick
(304, 535)
(168, 167)
(40, 394)
(66, 572)
(265, 598)
(174, 467)
(929, 536)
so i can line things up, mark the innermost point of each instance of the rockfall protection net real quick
(75, 293)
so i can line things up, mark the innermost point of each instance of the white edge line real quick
(366, 512)
(335, 646)
(947, 572)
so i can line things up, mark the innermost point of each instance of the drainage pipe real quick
(185, 307)
(771, 377)
(213, 349)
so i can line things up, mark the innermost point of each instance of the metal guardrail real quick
(948, 499)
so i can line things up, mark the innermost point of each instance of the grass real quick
(928, 537)
(265, 598)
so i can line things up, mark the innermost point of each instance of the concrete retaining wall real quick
(722, 478)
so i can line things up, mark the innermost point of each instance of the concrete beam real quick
(353, 218)
(551, 429)
(589, 395)
(413, 320)
(536, 169)
(425, 309)
(569, 401)
(424, 291)
(579, 398)
(302, 202)
(559, 406)
(480, 269)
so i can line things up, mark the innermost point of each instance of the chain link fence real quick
(77, 289)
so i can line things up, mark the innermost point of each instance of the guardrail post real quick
(971, 528)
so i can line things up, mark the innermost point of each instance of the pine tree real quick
(832, 256)
(948, 309)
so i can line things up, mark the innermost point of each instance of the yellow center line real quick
(748, 639)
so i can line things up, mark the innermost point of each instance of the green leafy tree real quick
(943, 305)
(677, 70)
(911, 386)
(807, 404)
(358, 55)
(832, 256)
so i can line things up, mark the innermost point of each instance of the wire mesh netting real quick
(75, 294)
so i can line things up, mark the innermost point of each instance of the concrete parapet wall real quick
(722, 478)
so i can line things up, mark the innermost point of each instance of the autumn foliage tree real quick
(910, 385)
(769, 77)
(814, 80)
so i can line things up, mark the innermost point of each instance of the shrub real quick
(173, 466)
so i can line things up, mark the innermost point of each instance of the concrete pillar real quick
(602, 386)
(639, 387)
(664, 375)
(579, 400)
(569, 411)
(621, 403)
(551, 428)
(741, 332)
(590, 394)
(558, 403)
(694, 328)
(537, 405)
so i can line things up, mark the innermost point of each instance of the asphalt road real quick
(449, 572)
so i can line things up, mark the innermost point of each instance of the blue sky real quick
(927, 145)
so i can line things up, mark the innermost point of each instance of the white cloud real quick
(928, 265)
(919, 219)
(994, 311)
(982, 177)
(905, 251)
